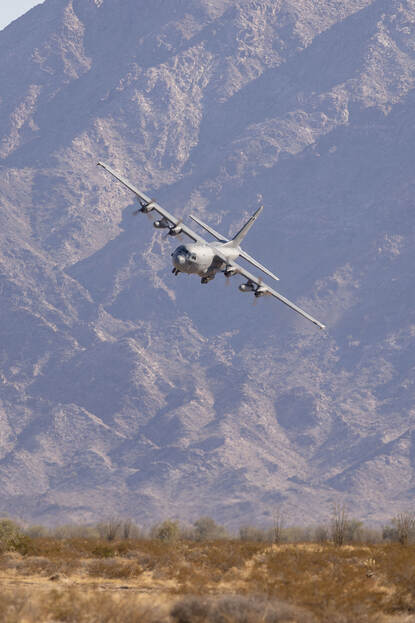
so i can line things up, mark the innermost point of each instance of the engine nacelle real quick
(146, 207)
(161, 224)
(229, 272)
(175, 231)
(260, 291)
(247, 287)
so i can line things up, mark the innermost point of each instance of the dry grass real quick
(237, 609)
(215, 582)
(75, 606)
(113, 568)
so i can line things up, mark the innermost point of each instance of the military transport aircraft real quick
(206, 259)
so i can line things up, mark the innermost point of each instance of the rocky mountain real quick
(125, 390)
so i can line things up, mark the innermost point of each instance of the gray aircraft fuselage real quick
(199, 259)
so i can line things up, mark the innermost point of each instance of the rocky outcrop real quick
(125, 390)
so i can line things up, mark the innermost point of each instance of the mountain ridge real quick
(125, 390)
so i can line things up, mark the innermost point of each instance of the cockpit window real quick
(193, 257)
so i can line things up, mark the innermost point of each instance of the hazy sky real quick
(12, 9)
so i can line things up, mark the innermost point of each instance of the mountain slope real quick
(126, 390)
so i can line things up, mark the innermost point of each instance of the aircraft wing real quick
(209, 229)
(258, 282)
(154, 206)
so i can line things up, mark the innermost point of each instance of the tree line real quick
(340, 529)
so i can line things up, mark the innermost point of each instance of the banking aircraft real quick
(206, 259)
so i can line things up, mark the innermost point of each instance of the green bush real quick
(168, 531)
(206, 529)
(12, 538)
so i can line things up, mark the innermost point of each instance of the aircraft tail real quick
(237, 239)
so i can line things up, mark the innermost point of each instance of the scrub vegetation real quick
(115, 571)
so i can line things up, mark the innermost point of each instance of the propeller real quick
(229, 272)
(258, 296)
(145, 208)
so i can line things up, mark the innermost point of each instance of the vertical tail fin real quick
(237, 239)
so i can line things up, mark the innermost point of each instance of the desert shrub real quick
(390, 533)
(113, 568)
(405, 527)
(75, 531)
(190, 610)
(297, 534)
(278, 526)
(202, 565)
(372, 536)
(206, 529)
(35, 531)
(236, 609)
(353, 531)
(343, 528)
(110, 528)
(187, 533)
(330, 581)
(168, 531)
(12, 538)
(321, 534)
(82, 548)
(80, 606)
(221, 556)
(255, 535)
(103, 551)
(130, 530)
(39, 565)
(338, 524)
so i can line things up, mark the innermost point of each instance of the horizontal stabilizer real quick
(254, 262)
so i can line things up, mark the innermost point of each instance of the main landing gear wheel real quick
(204, 280)
(175, 271)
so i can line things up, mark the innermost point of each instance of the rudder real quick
(237, 239)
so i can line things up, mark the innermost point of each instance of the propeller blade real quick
(256, 298)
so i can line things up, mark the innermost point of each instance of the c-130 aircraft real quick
(208, 258)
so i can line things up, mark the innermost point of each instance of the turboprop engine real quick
(260, 291)
(145, 207)
(229, 272)
(175, 231)
(247, 287)
(161, 224)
